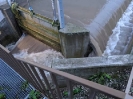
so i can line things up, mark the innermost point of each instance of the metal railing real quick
(75, 86)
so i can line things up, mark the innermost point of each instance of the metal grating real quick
(11, 82)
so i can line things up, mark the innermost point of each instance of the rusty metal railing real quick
(51, 86)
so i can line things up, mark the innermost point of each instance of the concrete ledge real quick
(83, 67)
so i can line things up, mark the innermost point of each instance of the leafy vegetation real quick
(34, 94)
(101, 78)
(75, 91)
(2, 96)
(116, 80)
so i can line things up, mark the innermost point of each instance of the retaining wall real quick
(84, 67)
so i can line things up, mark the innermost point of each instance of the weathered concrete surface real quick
(74, 41)
(83, 67)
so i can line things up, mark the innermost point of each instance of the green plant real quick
(34, 94)
(2, 96)
(100, 78)
(24, 85)
(75, 91)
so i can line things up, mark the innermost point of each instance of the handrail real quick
(29, 71)
(85, 82)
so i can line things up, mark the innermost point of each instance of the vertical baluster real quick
(31, 80)
(27, 76)
(56, 84)
(21, 70)
(40, 81)
(33, 77)
(46, 82)
(92, 94)
(70, 89)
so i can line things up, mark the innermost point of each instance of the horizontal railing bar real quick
(104, 89)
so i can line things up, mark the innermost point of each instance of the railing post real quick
(92, 94)
(54, 10)
(70, 89)
(61, 13)
(56, 85)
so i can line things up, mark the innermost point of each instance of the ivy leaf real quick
(77, 90)
(65, 93)
(2, 96)
(24, 85)
(108, 76)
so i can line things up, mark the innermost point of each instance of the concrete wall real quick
(84, 67)
(74, 41)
